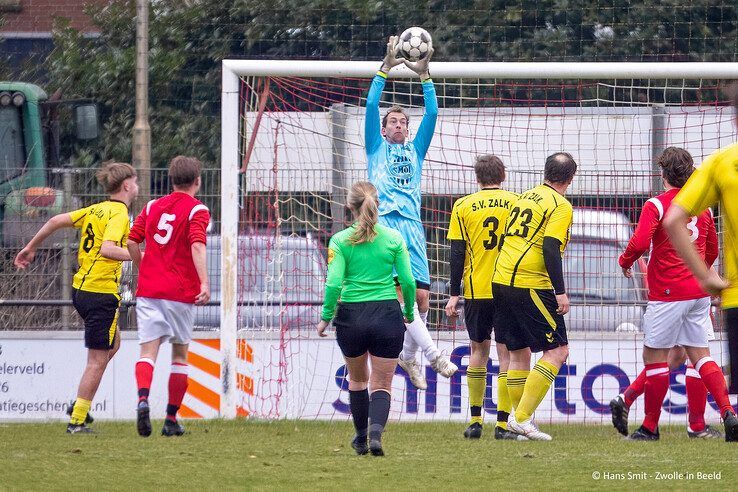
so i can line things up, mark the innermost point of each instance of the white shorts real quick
(685, 323)
(158, 318)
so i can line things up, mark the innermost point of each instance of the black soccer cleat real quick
(79, 429)
(730, 421)
(375, 446)
(474, 431)
(70, 409)
(359, 445)
(172, 428)
(706, 433)
(619, 411)
(643, 434)
(143, 422)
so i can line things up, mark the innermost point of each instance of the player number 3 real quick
(694, 233)
(165, 228)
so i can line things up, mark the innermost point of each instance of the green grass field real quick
(316, 455)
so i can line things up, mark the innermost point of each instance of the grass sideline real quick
(247, 455)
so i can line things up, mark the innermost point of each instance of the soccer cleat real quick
(359, 445)
(414, 372)
(375, 446)
(474, 431)
(143, 422)
(619, 411)
(643, 434)
(706, 433)
(172, 428)
(79, 429)
(730, 421)
(443, 366)
(528, 429)
(70, 409)
(506, 435)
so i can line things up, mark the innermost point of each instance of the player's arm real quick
(198, 238)
(115, 231)
(700, 192)
(458, 256)
(136, 236)
(641, 240)
(28, 253)
(427, 127)
(554, 236)
(372, 121)
(406, 279)
(333, 282)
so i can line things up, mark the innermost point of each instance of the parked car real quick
(280, 283)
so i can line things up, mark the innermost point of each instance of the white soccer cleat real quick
(528, 429)
(443, 366)
(414, 372)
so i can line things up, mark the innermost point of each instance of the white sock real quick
(420, 338)
(409, 347)
(424, 317)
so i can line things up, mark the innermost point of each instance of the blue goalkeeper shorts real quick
(414, 235)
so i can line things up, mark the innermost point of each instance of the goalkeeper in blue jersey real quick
(394, 166)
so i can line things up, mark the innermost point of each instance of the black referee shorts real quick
(376, 327)
(100, 314)
(527, 318)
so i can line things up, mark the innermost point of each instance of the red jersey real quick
(170, 225)
(668, 277)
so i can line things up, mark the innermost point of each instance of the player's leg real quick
(693, 336)
(731, 327)
(177, 388)
(100, 314)
(180, 316)
(153, 330)
(380, 387)
(504, 402)
(696, 395)
(661, 323)
(351, 335)
(476, 380)
(358, 378)
(545, 331)
(384, 340)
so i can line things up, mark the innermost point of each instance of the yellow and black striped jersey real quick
(104, 221)
(716, 181)
(539, 212)
(479, 220)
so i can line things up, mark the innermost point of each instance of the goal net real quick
(293, 145)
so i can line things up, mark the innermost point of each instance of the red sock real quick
(144, 374)
(635, 389)
(712, 377)
(696, 399)
(657, 384)
(177, 389)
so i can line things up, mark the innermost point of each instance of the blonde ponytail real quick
(362, 201)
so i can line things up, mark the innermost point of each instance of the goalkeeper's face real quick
(395, 129)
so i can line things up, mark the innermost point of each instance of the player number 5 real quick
(165, 227)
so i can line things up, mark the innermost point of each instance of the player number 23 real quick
(165, 228)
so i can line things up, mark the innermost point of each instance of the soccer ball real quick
(414, 44)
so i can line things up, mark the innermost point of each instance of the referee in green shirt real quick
(362, 260)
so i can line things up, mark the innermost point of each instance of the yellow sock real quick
(504, 405)
(515, 384)
(536, 387)
(79, 414)
(476, 380)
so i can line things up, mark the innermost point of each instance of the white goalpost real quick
(291, 144)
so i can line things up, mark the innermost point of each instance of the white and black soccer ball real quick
(414, 44)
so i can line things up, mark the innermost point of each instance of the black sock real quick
(359, 404)
(379, 407)
(502, 417)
